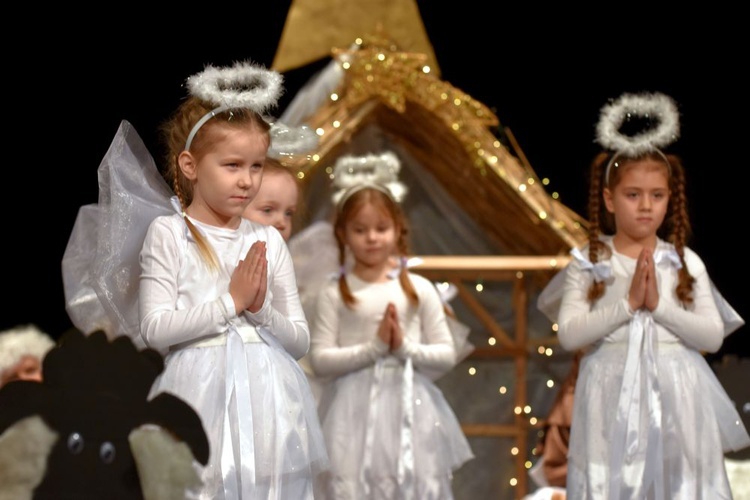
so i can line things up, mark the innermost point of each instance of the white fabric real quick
(237, 371)
(650, 418)
(100, 266)
(315, 254)
(345, 346)
(227, 375)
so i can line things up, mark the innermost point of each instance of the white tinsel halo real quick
(289, 141)
(371, 169)
(647, 105)
(21, 341)
(243, 85)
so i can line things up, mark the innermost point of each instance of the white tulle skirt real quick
(679, 422)
(366, 435)
(260, 417)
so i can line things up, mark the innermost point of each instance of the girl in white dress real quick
(218, 296)
(389, 431)
(650, 419)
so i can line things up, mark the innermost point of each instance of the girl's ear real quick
(187, 164)
(607, 197)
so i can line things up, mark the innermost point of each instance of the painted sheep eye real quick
(107, 452)
(75, 443)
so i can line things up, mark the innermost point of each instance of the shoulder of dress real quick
(419, 280)
(694, 262)
(168, 222)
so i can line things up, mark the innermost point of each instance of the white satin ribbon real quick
(175, 202)
(601, 270)
(405, 468)
(377, 375)
(668, 256)
(406, 456)
(239, 377)
(639, 394)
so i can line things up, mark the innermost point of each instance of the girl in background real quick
(389, 431)
(276, 201)
(650, 419)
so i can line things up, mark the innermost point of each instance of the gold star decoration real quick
(314, 27)
(377, 68)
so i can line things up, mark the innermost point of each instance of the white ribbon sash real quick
(238, 377)
(636, 457)
(405, 470)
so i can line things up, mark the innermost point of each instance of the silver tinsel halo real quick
(381, 169)
(646, 105)
(243, 85)
(289, 141)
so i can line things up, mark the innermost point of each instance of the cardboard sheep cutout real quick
(88, 429)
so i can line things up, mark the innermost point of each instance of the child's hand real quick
(397, 336)
(637, 294)
(384, 329)
(651, 299)
(249, 279)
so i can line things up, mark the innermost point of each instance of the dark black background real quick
(71, 77)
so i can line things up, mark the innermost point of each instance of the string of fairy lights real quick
(380, 71)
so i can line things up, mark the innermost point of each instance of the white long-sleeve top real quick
(345, 340)
(182, 301)
(699, 326)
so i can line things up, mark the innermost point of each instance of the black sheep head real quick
(94, 393)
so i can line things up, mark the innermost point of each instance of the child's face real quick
(227, 178)
(276, 202)
(640, 199)
(371, 236)
(29, 368)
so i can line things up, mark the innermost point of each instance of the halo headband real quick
(242, 86)
(380, 171)
(655, 105)
(359, 187)
(647, 105)
(617, 157)
(289, 141)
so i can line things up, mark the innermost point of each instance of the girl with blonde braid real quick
(650, 419)
(177, 268)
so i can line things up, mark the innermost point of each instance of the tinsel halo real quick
(646, 105)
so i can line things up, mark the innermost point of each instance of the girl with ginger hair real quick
(650, 419)
(378, 334)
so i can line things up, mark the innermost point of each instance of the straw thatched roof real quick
(456, 138)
